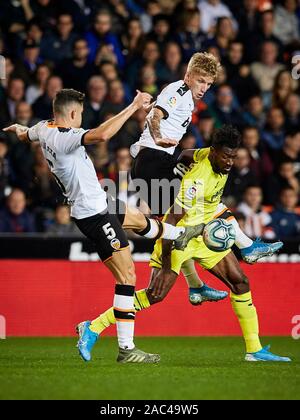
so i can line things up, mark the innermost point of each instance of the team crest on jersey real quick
(115, 244)
(172, 101)
(191, 193)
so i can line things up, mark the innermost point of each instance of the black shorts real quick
(150, 165)
(105, 231)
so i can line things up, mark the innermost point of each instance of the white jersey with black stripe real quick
(176, 102)
(72, 168)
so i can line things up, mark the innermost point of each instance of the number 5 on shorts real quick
(109, 231)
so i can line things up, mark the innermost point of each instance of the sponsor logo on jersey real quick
(172, 101)
(115, 244)
(191, 193)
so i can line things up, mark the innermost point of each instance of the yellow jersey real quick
(201, 191)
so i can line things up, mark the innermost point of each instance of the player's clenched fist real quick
(142, 99)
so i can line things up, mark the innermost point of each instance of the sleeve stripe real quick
(166, 114)
(82, 138)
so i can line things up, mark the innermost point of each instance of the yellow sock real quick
(246, 312)
(103, 321)
(141, 300)
(108, 318)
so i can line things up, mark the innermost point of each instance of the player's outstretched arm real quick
(19, 130)
(109, 128)
(154, 120)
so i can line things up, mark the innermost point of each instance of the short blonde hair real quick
(204, 63)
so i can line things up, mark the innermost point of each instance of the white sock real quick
(242, 240)
(172, 232)
(125, 315)
(169, 232)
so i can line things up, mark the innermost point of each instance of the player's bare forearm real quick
(154, 121)
(19, 130)
(111, 127)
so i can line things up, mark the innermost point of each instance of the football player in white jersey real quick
(167, 122)
(62, 142)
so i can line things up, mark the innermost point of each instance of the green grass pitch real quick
(191, 368)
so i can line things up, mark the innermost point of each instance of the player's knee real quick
(128, 276)
(241, 286)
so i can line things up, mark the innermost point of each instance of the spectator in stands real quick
(240, 177)
(258, 221)
(292, 111)
(15, 218)
(254, 113)
(248, 18)
(24, 115)
(286, 22)
(93, 111)
(265, 33)
(273, 134)
(63, 225)
(283, 178)
(5, 171)
(15, 94)
(116, 97)
(15, 15)
(153, 8)
(266, 70)
(161, 31)
(224, 35)
(286, 219)
(30, 61)
(42, 107)
(171, 68)
(238, 73)
(35, 33)
(58, 44)
(76, 71)
(132, 39)
(46, 11)
(291, 149)
(260, 162)
(211, 10)
(105, 54)
(148, 81)
(38, 87)
(284, 86)
(190, 36)
(224, 110)
(203, 129)
(101, 33)
(150, 56)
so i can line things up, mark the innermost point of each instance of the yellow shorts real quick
(196, 250)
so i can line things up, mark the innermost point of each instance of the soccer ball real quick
(218, 235)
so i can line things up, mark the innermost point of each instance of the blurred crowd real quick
(110, 48)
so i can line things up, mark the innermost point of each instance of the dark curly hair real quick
(226, 136)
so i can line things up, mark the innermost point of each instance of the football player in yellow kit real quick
(197, 202)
